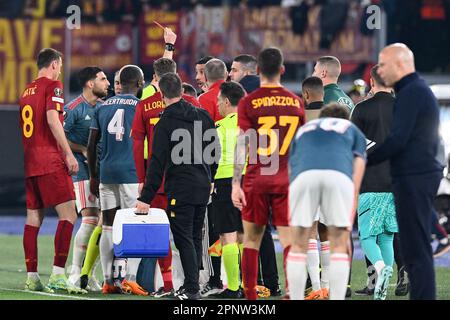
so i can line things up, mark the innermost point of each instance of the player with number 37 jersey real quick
(114, 119)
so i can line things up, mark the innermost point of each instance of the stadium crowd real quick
(278, 160)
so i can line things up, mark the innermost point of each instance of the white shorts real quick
(83, 196)
(118, 195)
(330, 190)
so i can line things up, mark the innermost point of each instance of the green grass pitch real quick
(13, 274)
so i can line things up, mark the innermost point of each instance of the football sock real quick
(132, 268)
(33, 276)
(386, 244)
(63, 237)
(250, 272)
(230, 257)
(285, 254)
(30, 234)
(296, 273)
(325, 264)
(339, 270)
(107, 253)
(216, 264)
(81, 241)
(371, 249)
(92, 251)
(58, 270)
(313, 264)
(165, 265)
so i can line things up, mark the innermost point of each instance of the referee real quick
(227, 218)
(181, 155)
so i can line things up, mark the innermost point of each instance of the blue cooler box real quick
(141, 236)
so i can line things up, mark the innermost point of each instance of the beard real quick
(139, 93)
(100, 93)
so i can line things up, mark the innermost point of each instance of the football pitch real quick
(13, 275)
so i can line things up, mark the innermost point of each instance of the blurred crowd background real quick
(113, 33)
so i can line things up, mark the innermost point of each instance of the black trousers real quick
(267, 268)
(186, 223)
(414, 196)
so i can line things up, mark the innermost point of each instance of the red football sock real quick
(63, 237)
(30, 234)
(285, 254)
(165, 264)
(250, 272)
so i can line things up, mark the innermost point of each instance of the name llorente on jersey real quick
(131, 102)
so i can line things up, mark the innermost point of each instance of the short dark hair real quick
(248, 61)
(313, 84)
(163, 66)
(233, 91)
(130, 76)
(189, 90)
(334, 110)
(86, 74)
(270, 61)
(47, 56)
(376, 77)
(204, 60)
(170, 85)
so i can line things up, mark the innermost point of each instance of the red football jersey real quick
(272, 115)
(208, 101)
(147, 115)
(41, 151)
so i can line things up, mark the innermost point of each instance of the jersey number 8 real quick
(27, 117)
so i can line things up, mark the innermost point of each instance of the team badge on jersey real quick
(58, 92)
(345, 102)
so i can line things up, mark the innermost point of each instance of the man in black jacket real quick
(412, 147)
(185, 150)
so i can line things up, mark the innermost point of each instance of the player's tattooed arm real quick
(239, 158)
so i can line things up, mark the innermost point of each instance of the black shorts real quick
(226, 217)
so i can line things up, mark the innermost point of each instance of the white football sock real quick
(296, 275)
(339, 271)
(379, 265)
(88, 225)
(33, 276)
(107, 253)
(132, 268)
(58, 270)
(325, 264)
(312, 264)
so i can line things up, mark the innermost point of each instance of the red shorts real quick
(159, 201)
(258, 208)
(49, 190)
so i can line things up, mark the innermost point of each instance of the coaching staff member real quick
(189, 169)
(412, 147)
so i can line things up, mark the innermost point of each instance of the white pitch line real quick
(49, 294)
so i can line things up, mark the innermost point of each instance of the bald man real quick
(328, 68)
(411, 148)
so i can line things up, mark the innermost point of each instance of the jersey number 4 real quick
(115, 126)
(266, 129)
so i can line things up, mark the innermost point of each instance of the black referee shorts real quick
(226, 217)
